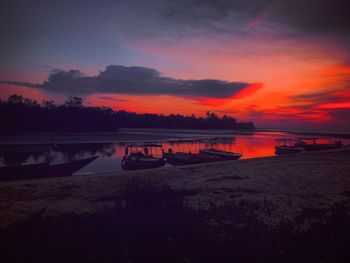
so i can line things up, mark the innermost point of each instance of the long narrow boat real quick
(182, 158)
(298, 145)
(287, 146)
(224, 155)
(311, 144)
(142, 156)
(41, 170)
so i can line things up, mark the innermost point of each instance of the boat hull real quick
(221, 154)
(139, 164)
(187, 158)
(41, 170)
(320, 147)
(288, 150)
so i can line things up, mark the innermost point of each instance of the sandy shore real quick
(291, 183)
(299, 189)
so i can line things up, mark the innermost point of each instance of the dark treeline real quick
(20, 114)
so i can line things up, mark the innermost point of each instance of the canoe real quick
(224, 155)
(41, 170)
(285, 149)
(298, 145)
(142, 156)
(182, 158)
(141, 162)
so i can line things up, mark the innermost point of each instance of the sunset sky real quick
(279, 63)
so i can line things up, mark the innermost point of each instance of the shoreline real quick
(137, 135)
(124, 136)
(252, 177)
(248, 210)
(344, 135)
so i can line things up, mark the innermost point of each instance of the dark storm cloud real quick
(188, 18)
(310, 16)
(80, 28)
(27, 20)
(132, 80)
(205, 12)
(314, 16)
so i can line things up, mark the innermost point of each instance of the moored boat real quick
(224, 155)
(183, 158)
(311, 144)
(142, 156)
(298, 145)
(44, 169)
(288, 145)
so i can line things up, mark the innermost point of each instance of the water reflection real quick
(251, 145)
(53, 153)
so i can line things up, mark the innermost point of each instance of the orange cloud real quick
(335, 105)
(337, 70)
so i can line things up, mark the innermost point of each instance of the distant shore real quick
(124, 135)
(345, 135)
(138, 135)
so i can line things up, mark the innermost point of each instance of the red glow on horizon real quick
(335, 105)
(8, 90)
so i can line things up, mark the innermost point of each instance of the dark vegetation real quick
(154, 224)
(23, 115)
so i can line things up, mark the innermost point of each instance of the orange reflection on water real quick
(251, 146)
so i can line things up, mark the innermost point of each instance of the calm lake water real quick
(258, 144)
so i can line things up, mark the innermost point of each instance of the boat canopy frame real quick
(144, 148)
(143, 145)
(286, 141)
(314, 140)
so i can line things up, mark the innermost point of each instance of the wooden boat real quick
(311, 144)
(183, 158)
(41, 170)
(224, 155)
(25, 148)
(291, 145)
(287, 146)
(142, 156)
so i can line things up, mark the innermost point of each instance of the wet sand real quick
(300, 189)
(291, 182)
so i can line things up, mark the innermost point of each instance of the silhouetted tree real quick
(30, 102)
(20, 114)
(15, 99)
(48, 104)
(74, 102)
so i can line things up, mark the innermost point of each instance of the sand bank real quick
(276, 209)
(288, 184)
